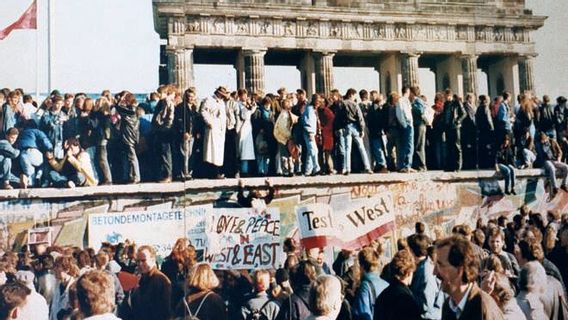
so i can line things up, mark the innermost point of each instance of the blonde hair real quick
(102, 105)
(203, 278)
(261, 280)
(95, 293)
(325, 295)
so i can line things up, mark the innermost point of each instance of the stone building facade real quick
(396, 37)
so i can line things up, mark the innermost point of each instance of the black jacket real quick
(454, 113)
(545, 117)
(376, 120)
(184, 120)
(483, 119)
(396, 302)
(129, 124)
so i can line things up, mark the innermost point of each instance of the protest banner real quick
(317, 225)
(157, 228)
(196, 228)
(371, 219)
(243, 239)
(351, 228)
(40, 236)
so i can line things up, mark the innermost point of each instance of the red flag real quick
(28, 20)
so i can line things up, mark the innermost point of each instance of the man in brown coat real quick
(151, 299)
(456, 267)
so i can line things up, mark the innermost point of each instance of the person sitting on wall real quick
(549, 155)
(74, 169)
(255, 198)
(8, 153)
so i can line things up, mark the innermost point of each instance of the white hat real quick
(27, 277)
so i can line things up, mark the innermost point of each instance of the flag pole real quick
(49, 45)
(37, 52)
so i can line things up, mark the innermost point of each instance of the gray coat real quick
(261, 302)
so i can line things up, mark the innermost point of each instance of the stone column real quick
(503, 75)
(410, 69)
(306, 67)
(180, 68)
(240, 68)
(324, 72)
(469, 70)
(526, 74)
(254, 70)
(390, 73)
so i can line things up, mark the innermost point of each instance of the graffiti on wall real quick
(441, 205)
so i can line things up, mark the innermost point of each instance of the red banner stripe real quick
(357, 243)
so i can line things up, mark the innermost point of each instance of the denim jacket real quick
(364, 302)
(427, 291)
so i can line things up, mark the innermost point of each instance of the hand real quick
(49, 155)
(241, 183)
(186, 136)
(268, 182)
(312, 136)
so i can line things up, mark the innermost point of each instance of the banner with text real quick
(317, 225)
(160, 229)
(243, 239)
(227, 238)
(350, 228)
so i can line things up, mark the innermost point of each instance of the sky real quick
(111, 44)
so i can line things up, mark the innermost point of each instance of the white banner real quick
(351, 228)
(243, 239)
(157, 228)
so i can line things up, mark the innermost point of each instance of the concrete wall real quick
(439, 199)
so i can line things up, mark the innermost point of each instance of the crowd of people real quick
(74, 140)
(499, 270)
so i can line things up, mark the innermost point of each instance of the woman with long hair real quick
(129, 134)
(101, 135)
(176, 267)
(202, 302)
(505, 163)
(324, 137)
(262, 128)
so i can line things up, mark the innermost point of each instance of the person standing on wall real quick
(454, 114)
(214, 116)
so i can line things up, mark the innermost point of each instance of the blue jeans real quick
(92, 152)
(60, 181)
(527, 159)
(31, 162)
(312, 164)
(339, 149)
(351, 133)
(508, 172)
(405, 149)
(130, 164)
(183, 155)
(550, 168)
(6, 174)
(262, 162)
(378, 152)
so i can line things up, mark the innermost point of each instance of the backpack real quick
(256, 314)
(192, 316)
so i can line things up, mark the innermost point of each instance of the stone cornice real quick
(483, 15)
